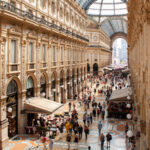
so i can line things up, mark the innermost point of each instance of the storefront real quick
(53, 87)
(12, 108)
(95, 69)
(43, 86)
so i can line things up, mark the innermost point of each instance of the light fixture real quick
(9, 109)
(129, 116)
(128, 97)
(54, 90)
(129, 133)
(43, 94)
(128, 105)
(68, 83)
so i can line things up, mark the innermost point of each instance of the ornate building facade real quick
(43, 53)
(98, 54)
(138, 52)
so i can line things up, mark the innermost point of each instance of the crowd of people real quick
(93, 110)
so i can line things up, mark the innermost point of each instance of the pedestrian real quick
(91, 118)
(80, 130)
(99, 127)
(109, 138)
(94, 112)
(50, 143)
(76, 140)
(68, 139)
(44, 141)
(102, 139)
(103, 114)
(88, 120)
(86, 131)
(89, 147)
(98, 112)
(84, 118)
(69, 106)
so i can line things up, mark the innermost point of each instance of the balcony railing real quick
(26, 14)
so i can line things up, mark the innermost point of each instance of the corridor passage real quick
(116, 127)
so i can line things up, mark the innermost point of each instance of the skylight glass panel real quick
(95, 6)
(107, 12)
(107, 6)
(93, 12)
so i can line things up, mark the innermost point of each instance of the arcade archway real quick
(95, 69)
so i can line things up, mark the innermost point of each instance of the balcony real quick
(26, 14)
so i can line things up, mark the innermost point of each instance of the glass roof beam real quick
(100, 11)
(111, 25)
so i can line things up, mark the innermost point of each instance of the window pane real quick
(13, 51)
(53, 53)
(44, 50)
(61, 53)
(30, 52)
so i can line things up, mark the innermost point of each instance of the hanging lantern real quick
(128, 97)
(9, 109)
(128, 105)
(43, 94)
(129, 116)
(129, 133)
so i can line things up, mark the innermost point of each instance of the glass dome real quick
(107, 8)
(104, 7)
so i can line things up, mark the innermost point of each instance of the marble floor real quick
(114, 126)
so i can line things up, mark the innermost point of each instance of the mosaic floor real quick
(115, 127)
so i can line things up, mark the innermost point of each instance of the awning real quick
(121, 94)
(41, 105)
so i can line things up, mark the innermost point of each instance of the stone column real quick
(22, 117)
(3, 124)
(65, 91)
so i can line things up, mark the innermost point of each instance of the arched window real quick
(12, 87)
(30, 83)
(43, 85)
(30, 88)
(61, 78)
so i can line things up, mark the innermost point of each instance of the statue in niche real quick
(43, 3)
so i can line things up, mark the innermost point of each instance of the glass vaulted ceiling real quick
(110, 14)
(107, 8)
(104, 7)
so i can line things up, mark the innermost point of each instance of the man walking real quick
(102, 139)
(69, 106)
(80, 129)
(99, 127)
(109, 138)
